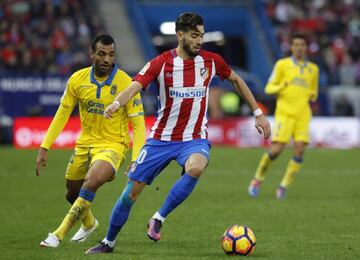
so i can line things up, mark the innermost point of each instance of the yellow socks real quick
(293, 167)
(78, 210)
(264, 164)
(88, 220)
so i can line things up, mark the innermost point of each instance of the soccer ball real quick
(238, 240)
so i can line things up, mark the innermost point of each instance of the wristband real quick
(257, 112)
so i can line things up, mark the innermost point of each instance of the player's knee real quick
(133, 196)
(299, 149)
(195, 170)
(128, 198)
(299, 154)
(92, 183)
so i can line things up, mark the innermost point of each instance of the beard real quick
(187, 49)
(101, 72)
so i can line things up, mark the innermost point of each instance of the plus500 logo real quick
(187, 92)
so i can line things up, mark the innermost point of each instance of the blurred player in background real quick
(294, 81)
(102, 145)
(183, 76)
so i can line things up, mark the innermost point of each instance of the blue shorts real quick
(156, 155)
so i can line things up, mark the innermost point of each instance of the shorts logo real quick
(187, 92)
(133, 167)
(205, 151)
(113, 90)
(204, 73)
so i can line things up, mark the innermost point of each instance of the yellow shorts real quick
(291, 127)
(83, 157)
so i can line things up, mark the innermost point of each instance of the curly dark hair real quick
(188, 21)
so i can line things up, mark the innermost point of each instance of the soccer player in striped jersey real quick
(294, 81)
(179, 133)
(102, 145)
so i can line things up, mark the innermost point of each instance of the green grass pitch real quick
(320, 218)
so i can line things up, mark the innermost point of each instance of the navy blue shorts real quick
(156, 155)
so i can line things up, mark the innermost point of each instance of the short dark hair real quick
(298, 36)
(188, 21)
(104, 39)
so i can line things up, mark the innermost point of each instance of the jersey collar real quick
(303, 66)
(107, 82)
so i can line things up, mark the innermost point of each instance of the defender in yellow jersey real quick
(102, 145)
(294, 81)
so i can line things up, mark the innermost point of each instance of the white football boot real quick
(51, 241)
(82, 234)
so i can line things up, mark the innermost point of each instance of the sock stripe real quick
(87, 194)
(298, 159)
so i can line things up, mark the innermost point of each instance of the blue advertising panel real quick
(31, 95)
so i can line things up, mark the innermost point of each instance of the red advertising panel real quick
(325, 132)
(235, 132)
(30, 131)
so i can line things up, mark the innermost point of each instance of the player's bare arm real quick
(123, 98)
(261, 123)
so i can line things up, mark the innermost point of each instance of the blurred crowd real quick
(333, 30)
(50, 36)
(46, 36)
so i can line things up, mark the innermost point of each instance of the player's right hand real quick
(111, 109)
(41, 160)
(263, 126)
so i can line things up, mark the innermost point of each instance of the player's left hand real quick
(131, 165)
(263, 126)
(41, 160)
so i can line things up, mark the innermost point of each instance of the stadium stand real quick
(46, 37)
(43, 41)
(333, 29)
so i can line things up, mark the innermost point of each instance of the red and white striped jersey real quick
(183, 87)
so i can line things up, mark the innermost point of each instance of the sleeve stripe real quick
(137, 114)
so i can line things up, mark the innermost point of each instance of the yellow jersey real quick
(295, 85)
(93, 95)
